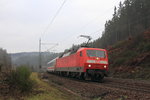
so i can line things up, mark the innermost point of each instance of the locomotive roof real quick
(80, 49)
(74, 50)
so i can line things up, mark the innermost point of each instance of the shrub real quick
(119, 61)
(20, 79)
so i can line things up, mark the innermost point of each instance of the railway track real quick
(125, 85)
(121, 84)
(110, 87)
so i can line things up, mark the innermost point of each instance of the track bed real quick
(109, 89)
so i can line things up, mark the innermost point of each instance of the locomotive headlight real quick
(105, 66)
(89, 65)
(91, 61)
(103, 62)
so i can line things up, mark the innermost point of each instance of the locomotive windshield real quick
(96, 53)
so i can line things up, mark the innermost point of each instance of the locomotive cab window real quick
(96, 53)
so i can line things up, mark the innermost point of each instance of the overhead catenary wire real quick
(88, 23)
(83, 27)
(54, 17)
(51, 22)
(49, 25)
(79, 33)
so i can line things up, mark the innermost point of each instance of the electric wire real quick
(53, 19)
(83, 27)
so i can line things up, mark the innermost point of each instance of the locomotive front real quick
(95, 62)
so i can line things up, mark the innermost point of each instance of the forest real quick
(131, 18)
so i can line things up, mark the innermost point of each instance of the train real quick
(84, 63)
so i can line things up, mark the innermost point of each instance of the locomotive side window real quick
(96, 53)
(80, 53)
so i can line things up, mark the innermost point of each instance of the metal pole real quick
(39, 54)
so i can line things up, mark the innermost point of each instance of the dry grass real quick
(44, 91)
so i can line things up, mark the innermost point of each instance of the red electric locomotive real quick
(84, 63)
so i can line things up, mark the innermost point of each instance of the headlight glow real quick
(89, 65)
(105, 66)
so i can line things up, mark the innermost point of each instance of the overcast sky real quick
(23, 22)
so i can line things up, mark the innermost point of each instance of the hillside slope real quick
(31, 59)
(131, 58)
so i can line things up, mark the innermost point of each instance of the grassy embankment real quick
(46, 91)
(131, 58)
(19, 87)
